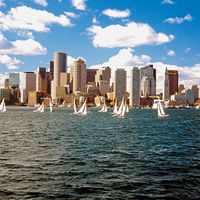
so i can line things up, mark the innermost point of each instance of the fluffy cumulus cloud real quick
(171, 53)
(179, 20)
(79, 4)
(114, 13)
(41, 2)
(167, 2)
(11, 63)
(2, 3)
(71, 15)
(21, 47)
(26, 18)
(131, 35)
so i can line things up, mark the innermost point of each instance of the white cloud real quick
(167, 2)
(2, 3)
(41, 2)
(131, 35)
(171, 53)
(26, 18)
(187, 50)
(71, 14)
(179, 20)
(25, 47)
(11, 63)
(79, 4)
(94, 20)
(25, 34)
(117, 13)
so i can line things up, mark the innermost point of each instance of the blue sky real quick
(110, 32)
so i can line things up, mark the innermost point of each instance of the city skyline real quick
(162, 33)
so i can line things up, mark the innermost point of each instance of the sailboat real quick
(51, 106)
(83, 109)
(3, 106)
(115, 108)
(121, 110)
(104, 108)
(161, 112)
(75, 110)
(40, 108)
(62, 105)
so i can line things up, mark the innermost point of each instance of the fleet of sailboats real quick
(3, 106)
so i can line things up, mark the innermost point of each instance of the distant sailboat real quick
(75, 110)
(62, 105)
(51, 106)
(3, 106)
(104, 108)
(115, 108)
(121, 111)
(40, 109)
(83, 109)
(161, 112)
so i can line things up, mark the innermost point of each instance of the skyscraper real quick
(14, 79)
(41, 80)
(171, 83)
(79, 75)
(148, 80)
(60, 65)
(27, 83)
(134, 87)
(195, 89)
(119, 84)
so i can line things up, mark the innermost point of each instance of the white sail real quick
(123, 111)
(161, 112)
(83, 109)
(115, 108)
(75, 110)
(127, 108)
(63, 104)
(51, 106)
(40, 109)
(119, 112)
(3, 106)
(104, 108)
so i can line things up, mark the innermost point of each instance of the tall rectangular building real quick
(119, 84)
(60, 65)
(27, 83)
(79, 75)
(14, 79)
(171, 83)
(134, 76)
(41, 80)
(148, 80)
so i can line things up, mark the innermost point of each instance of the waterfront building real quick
(14, 79)
(91, 75)
(104, 87)
(190, 97)
(6, 83)
(35, 97)
(104, 74)
(79, 75)
(119, 84)
(166, 95)
(195, 89)
(27, 83)
(63, 79)
(5, 94)
(148, 81)
(133, 83)
(60, 65)
(181, 89)
(41, 79)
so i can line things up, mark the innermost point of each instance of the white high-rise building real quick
(27, 82)
(119, 84)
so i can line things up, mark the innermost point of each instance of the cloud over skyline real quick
(114, 13)
(179, 20)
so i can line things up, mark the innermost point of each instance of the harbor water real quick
(64, 156)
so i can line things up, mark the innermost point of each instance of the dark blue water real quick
(63, 156)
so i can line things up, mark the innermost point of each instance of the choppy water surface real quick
(62, 156)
